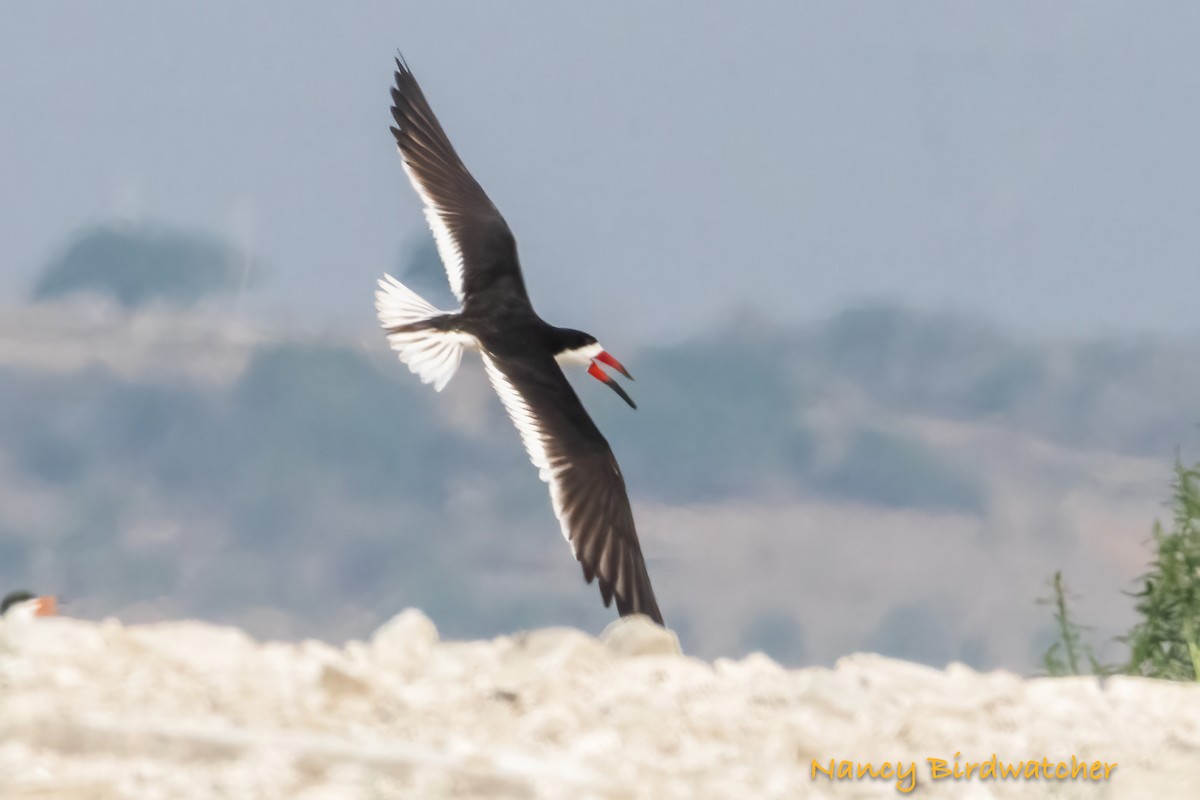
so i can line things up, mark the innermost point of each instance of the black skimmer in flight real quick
(521, 354)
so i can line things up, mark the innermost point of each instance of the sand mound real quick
(188, 710)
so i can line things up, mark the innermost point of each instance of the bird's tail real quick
(423, 336)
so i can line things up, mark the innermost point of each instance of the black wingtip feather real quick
(606, 594)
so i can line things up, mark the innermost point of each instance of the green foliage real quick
(138, 264)
(1067, 652)
(1166, 642)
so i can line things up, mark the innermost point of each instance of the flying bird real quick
(521, 354)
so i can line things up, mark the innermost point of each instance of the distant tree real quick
(137, 264)
(889, 470)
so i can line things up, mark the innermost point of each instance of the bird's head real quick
(27, 604)
(577, 347)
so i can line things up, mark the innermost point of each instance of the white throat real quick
(580, 355)
(24, 611)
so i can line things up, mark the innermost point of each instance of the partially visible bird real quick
(521, 354)
(22, 604)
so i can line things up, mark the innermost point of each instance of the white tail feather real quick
(432, 354)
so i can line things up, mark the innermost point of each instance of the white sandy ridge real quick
(98, 711)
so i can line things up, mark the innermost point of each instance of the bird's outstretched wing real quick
(472, 237)
(586, 486)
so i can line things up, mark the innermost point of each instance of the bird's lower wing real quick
(587, 490)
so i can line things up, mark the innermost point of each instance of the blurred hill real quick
(137, 264)
(886, 479)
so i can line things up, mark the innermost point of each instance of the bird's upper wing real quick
(472, 237)
(586, 486)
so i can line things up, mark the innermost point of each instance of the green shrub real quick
(1166, 642)
(1068, 650)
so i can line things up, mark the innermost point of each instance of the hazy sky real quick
(659, 162)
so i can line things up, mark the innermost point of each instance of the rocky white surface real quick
(187, 710)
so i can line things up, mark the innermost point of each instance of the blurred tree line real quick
(325, 476)
(136, 264)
